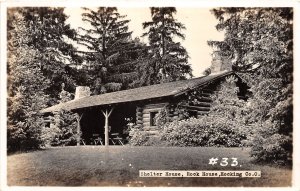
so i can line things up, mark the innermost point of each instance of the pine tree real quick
(26, 85)
(63, 129)
(51, 36)
(167, 60)
(259, 42)
(112, 55)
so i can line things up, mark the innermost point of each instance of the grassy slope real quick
(119, 166)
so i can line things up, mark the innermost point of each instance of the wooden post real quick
(78, 128)
(106, 131)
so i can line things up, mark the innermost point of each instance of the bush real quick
(137, 137)
(63, 130)
(270, 146)
(205, 131)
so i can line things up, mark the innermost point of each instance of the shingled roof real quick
(138, 94)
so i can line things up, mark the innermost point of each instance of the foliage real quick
(224, 126)
(137, 137)
(66, 122)
(63, 128)
(112, 54)
(166, 60)
(161, 117)
(259, 42)
(51, 36)
(25, 88)
(205, 131)
(269, 145)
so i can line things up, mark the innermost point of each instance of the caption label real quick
(205, 173)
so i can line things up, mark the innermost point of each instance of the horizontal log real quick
(157, 105)
(139, 122)
(204, 104)
(204, 99)
(146, 115)
(152, 110)
(196, 108)
(146, 119)
(139, 126)
(145, 124)
(202, 112)
(139, 117)
(204, 109)
(139, 113)
(192, 110)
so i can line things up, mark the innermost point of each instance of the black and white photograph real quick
(107, 95)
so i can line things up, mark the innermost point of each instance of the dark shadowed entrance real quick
(92, 124)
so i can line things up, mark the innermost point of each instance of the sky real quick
(200, 27)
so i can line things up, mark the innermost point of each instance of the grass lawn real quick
(120, 165)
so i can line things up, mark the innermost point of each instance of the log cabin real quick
(109, 113)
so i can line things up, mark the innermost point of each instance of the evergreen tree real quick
(167, 60)
(112, 54)
(51, 36)
(259, 42)
(63, 128)
(25, 88)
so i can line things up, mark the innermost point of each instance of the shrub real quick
(205, 131)
(161, 117)
(270, 146)
(62, 131)
(137, 137)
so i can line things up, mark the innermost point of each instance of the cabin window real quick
(152, 118)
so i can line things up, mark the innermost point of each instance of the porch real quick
(105, 125)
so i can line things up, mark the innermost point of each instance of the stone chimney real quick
(82, 91)
(220, 63)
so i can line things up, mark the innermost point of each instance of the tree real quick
(166, 60)
(227, 113)
(51, 36)
(25, 88)
(259, 41)
(112, 54)
(63, 127)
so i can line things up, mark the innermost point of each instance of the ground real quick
(120, 165)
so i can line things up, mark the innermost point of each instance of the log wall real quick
(174, 111)
(143, 113)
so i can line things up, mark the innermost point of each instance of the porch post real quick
(78, 117)
(106, 131)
